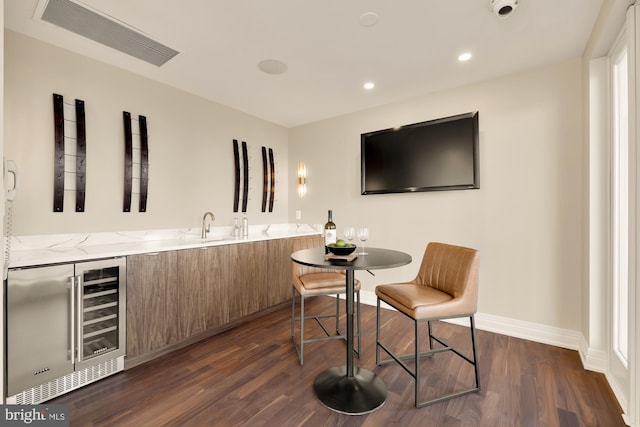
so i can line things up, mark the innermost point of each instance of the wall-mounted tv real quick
(435, 155)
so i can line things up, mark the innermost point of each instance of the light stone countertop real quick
(60, 248)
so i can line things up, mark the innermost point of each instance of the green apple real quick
(341, 243)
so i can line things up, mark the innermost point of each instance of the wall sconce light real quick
(302, 179)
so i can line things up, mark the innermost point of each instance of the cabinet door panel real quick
(248, 263)
(192, 278)
(279, 267)
(151, 302)
(216, 292)
(203, 276)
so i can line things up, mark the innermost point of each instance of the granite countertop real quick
(59, 248)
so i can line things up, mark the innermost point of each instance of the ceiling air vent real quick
(87, 23)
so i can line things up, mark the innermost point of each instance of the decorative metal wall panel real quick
(136, 162)
(58, 169)
(70, 152)
(265, 179)
(245, 177)
(128, 162)
(144, 163)
(272, 175)
(81, 156)
(236, 188)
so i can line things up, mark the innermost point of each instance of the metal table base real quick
(349, 389)
(359, 394)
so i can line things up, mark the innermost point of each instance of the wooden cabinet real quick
(248, 274)
(216, 293)
(177, 297)
(260, 274)
(279, 271)
(203, 277)
(151, 309)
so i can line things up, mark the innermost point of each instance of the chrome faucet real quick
(206, 227)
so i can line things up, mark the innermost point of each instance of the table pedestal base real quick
(360, 394)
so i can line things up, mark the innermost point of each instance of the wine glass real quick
(363, 236)
(349, 233)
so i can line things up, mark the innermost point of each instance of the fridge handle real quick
(72, 315)
(79, 325)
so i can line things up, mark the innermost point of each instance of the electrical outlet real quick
(298, 214)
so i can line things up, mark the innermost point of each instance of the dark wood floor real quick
(250, 376)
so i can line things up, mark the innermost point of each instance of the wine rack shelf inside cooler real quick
(100, 322)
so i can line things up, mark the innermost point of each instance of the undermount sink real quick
(193, 240)
(196, 239)
(214, 239)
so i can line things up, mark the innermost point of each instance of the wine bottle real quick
(330, 233)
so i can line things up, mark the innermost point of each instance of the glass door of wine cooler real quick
(101, 299)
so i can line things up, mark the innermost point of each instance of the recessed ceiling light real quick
(272, 66)
(369, 85)
(464, 57)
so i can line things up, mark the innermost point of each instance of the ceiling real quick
(411, 51)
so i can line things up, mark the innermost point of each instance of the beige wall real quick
(190, 145)
(526, 217)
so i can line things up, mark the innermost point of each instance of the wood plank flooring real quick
(250, 376)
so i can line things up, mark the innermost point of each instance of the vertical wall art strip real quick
(144, 163)
(136, 162)
(265, 179)
(58, 169)
(236, 188)
(128, 162)
(268, 179)
(81, 156)
(272, 176)
(245, 176)
(70, 152)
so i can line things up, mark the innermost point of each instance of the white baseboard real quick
(544, 334)
(593, 360)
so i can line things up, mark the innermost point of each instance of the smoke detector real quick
(503, 8)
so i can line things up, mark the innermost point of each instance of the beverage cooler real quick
(65, 327)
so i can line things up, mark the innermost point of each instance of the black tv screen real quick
(439, 154)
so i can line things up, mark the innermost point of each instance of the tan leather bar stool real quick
(313, 281)
(446, 287)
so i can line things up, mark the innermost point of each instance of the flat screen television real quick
(435, 155)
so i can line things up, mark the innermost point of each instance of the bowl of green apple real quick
(340, 247)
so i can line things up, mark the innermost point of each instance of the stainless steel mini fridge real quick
(65, 327)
